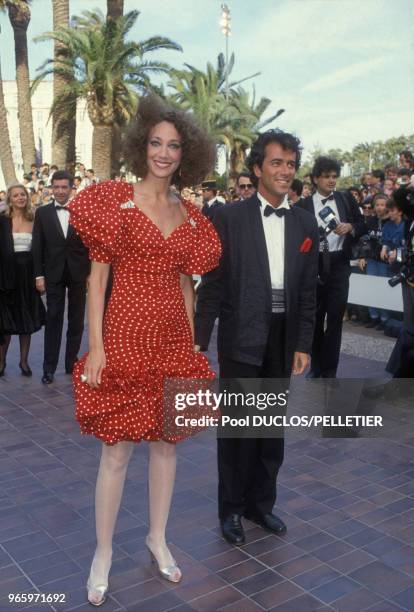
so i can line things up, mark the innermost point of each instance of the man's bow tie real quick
(58, 207)
(324, 200)
(269, 210)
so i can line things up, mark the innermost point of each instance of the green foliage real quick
(102, 67)
(363, 157)
(228, 113)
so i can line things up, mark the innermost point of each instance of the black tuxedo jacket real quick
(239, 290)
(210, 210)
(51, 250)
(348, 211)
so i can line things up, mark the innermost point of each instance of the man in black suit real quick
(211, 203)
(264, 294)
(60, 262)
(334, 267)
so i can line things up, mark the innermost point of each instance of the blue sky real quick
(342, 69)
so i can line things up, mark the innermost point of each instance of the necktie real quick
(58, 207)
(324, 200)
(269, 210)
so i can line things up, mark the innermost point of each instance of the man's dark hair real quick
(287, 141)
(91, 170)
(379, 174)
(325, 164)
(404, 172)
(60, 175)
(297, 187)
(408, 155)
(391, 166)
(243, 175)
(357, 189)
(391, 203)
(53, 167)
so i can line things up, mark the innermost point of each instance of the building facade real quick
(41, 102)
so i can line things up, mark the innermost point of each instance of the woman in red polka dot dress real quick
(154, 242)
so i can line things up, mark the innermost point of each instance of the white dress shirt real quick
(335, 242)
(63, 216)
(274, 231)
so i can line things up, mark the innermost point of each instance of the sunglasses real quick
(367, 207)
(248, 186)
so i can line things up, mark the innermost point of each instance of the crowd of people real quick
(274, 256)
(378, 251)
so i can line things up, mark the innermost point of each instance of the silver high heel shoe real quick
(172, 572)
(97, 593)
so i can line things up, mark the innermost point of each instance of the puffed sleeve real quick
(96, 216)
(205, 250)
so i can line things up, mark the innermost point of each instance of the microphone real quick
(329, 220)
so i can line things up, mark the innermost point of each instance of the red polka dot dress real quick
(146, 332)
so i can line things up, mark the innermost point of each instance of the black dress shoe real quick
(232, 529)
(47, 378)
(269, 521)
(25, 371)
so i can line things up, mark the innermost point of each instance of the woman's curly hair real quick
(198, 148)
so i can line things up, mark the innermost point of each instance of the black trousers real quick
(332, 297)
(55, 301)
(248, 468)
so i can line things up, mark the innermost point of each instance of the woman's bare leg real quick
(108, 495)
(162, 467)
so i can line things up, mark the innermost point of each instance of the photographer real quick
(401, 362)
(369, 250)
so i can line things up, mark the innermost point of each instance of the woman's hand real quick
(362, 264)
(384, 253)
(95, 363)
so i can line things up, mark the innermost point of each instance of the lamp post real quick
(225, 24)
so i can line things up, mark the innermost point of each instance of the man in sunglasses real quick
(245, 188)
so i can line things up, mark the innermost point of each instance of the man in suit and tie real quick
(61, 263)
(334, 266)
(211, 203)
(264, 294)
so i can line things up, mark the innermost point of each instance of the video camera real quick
(406, 273)
(367, 247)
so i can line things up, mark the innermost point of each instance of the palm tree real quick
(63, 130)
(204, 92)
(19, 15)
(6, 155)
(251, 124)
(227, 115)
(109, 74)
(114, 9)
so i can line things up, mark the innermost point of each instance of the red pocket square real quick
(306, 245)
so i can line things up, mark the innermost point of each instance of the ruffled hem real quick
(133, 405)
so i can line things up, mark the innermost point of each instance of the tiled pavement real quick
(348, 504)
